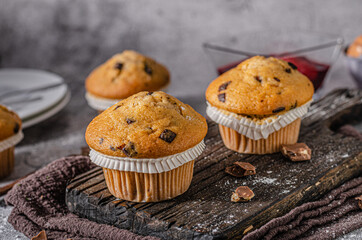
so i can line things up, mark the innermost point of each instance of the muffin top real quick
(260, 86)
(146, 125)
(125, 74)
(10, 123)
(355, 49)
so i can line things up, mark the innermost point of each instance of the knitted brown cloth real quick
(39, 203)
(336, 214)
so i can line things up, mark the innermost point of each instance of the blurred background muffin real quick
(10, 135)
(123, 75)
(353, 55)
(355, 49)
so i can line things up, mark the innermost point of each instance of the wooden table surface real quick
(205, 210)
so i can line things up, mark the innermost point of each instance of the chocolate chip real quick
(279, 93)
(276, 79)
(149, 93)
(294, 105)
(288, 70)
(118, 66)
(257, 78)
(224, 86)
(101, 140)
(148, 69)
(279, 109)
(222, 97)
(292, 65)
(112, 148)
(241, 169)
(16, 128)
(242, 194)
(118, 106)
(296, 152)
(130, 121)
(167, 136)
(128, 149)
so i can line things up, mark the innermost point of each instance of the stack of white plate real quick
(34, 95)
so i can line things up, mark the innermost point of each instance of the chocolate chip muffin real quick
(259, 104)
(123, 75)
(10, 135)
(146, 145)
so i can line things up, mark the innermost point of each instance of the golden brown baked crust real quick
(260, 86)
(125, 74)
(146, 125)
(10, 123)
(355, 49)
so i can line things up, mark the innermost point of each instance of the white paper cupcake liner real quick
(255, 128)
(98, 103)
(11, 141)
(101, 104)
(146, 165)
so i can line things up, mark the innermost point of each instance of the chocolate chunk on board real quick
(296, 152)
(41, 236)
(241, 169)
(359, 198)
(242, 194)
(167, 136)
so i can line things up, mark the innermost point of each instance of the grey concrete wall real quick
(71, 37)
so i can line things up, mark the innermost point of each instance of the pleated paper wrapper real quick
(148, 180)
(11, 141)
(98, 103)
(254, 128)
(7, 154)
(146, 165)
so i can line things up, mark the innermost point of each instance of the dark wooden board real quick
(205, 210)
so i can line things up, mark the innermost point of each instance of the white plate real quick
(20, 79)
(47, 114)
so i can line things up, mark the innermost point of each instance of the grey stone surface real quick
(71, 37)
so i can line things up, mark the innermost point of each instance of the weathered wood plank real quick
(205, 210)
